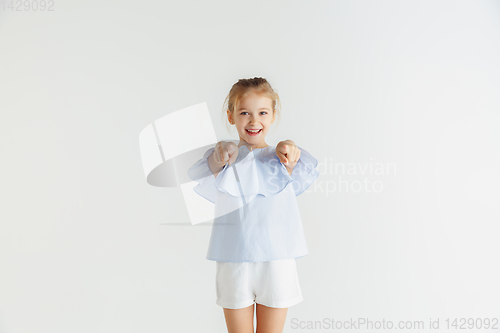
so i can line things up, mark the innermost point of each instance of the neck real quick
(251, 147)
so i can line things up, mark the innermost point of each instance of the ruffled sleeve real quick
(253, 173)
(304, 173)
(261, 172)
(201, 173)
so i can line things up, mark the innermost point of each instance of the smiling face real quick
(255, 113)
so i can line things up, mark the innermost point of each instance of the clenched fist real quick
(225, 151)
(288, 153)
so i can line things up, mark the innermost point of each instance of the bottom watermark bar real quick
(368, 324)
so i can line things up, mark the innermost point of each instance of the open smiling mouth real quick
(253, 132)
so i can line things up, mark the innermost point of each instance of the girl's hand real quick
(288, 153)
(225, 151)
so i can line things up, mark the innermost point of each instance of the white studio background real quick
(404, 94)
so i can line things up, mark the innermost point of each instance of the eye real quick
(264, 112)
(243, 112)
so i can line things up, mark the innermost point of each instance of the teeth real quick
(254, 131)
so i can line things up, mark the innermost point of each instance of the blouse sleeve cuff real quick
(201, 173)
(304, 173)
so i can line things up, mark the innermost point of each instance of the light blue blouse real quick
(257, 217)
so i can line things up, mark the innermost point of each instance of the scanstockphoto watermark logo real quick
(250, 176)
(353, 177)
(474, 324)
(27, 5)
(341, 177)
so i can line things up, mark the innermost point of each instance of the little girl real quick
(257, 232)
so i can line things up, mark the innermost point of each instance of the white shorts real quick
(270, 283)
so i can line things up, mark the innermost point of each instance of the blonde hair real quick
(245, 87)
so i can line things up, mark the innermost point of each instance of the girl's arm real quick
(223, 152)
(289, 154)
(215, 167)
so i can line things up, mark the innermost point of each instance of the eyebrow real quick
(259, 109)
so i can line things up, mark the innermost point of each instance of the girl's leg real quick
(270, 320)
(239, 320)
